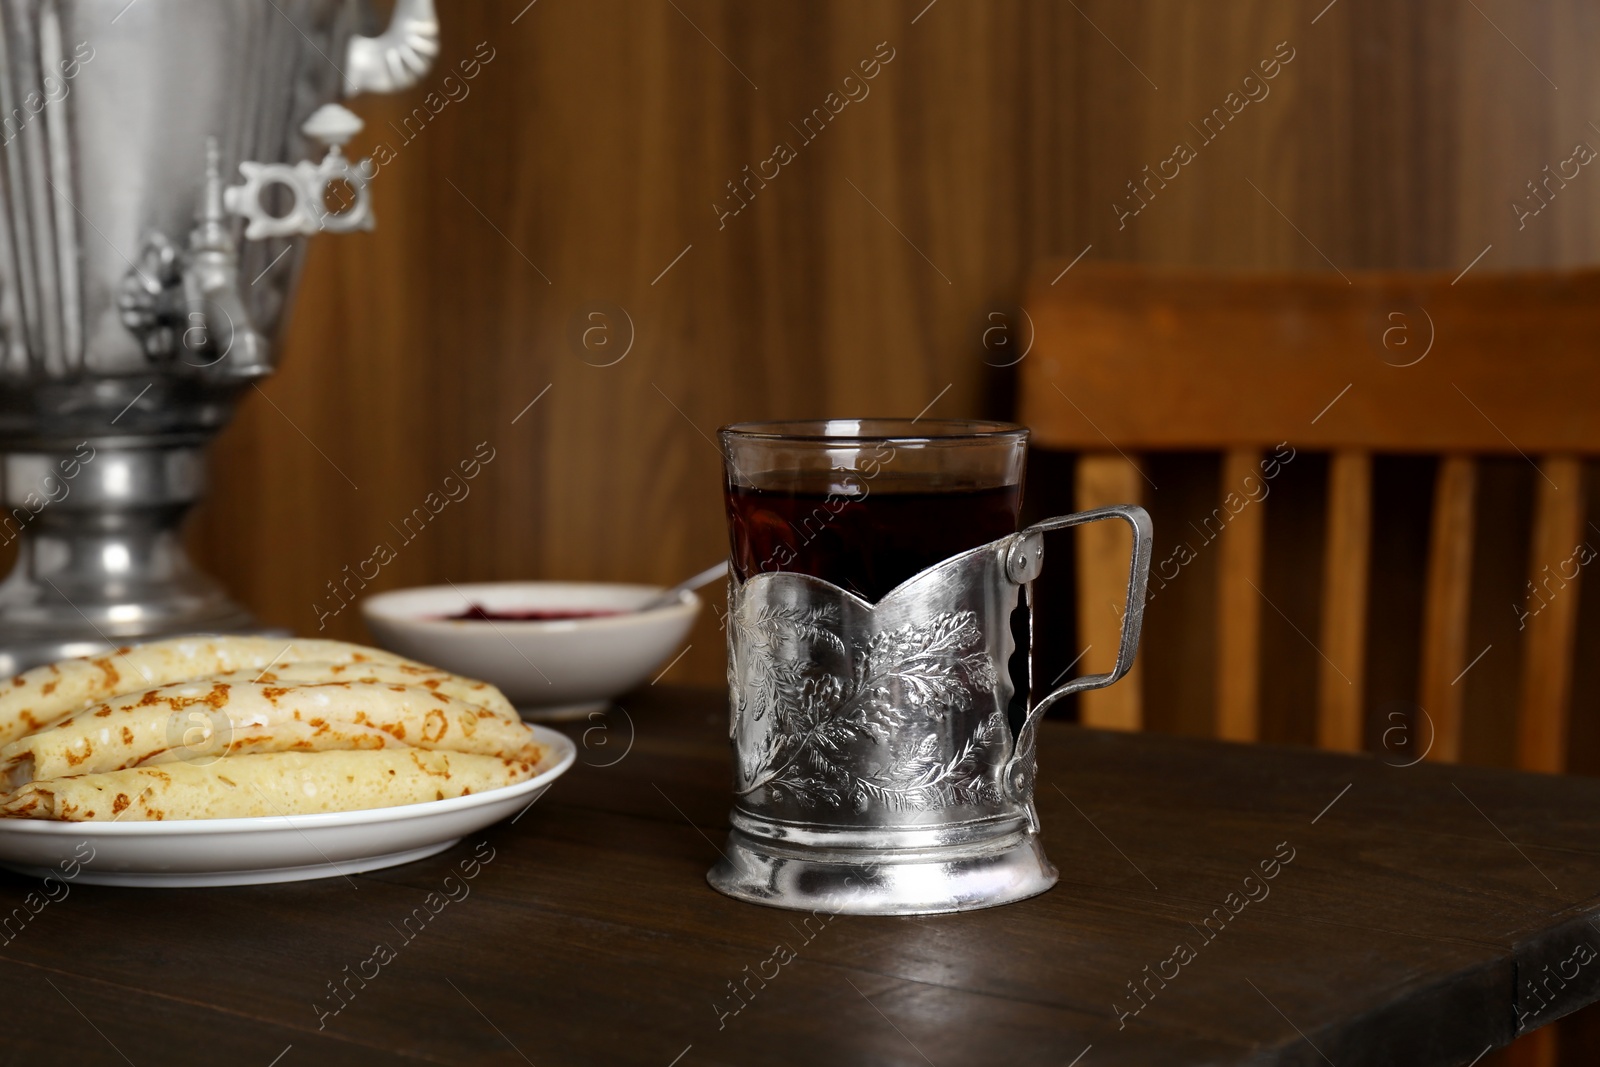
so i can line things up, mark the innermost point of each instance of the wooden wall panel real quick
(592, 147)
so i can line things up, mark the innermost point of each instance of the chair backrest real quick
(1128, 360)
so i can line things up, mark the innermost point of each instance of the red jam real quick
(479, 613)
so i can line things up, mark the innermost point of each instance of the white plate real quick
(286, 848)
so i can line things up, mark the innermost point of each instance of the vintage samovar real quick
(162, 163)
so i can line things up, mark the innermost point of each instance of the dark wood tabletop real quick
(1360, 912)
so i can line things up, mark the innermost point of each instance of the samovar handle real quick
(175, 293)
(393, 61)
(399, 57)
(1024, 560)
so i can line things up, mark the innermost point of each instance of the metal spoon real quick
(705, 577)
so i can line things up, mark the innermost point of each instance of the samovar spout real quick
(188, 305)
(211, 292)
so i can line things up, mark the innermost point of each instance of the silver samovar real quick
(156, 193)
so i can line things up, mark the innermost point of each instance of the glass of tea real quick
(868, 503)
(880, 708)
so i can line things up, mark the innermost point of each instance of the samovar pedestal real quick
(101, 560)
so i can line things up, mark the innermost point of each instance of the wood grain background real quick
(581, 174)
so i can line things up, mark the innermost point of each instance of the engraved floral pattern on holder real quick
(869, 721)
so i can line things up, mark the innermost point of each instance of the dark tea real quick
(867, 540)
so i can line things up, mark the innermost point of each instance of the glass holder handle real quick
(1024, 561)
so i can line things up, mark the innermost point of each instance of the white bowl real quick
(549, 669)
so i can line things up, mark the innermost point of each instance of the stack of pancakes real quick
(237, 727)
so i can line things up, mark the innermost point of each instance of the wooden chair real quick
(1128, 360)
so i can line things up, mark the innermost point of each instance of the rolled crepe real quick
(279, 783)
(451, 685)
(201, 721)
(37, 698)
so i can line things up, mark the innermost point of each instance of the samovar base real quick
(19, 653)
(101, 561)
(852, 881)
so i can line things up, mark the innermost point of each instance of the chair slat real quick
(1342, 672)
(1238, 714)
(1102, 558)
(1446, 608)
(1552, 615)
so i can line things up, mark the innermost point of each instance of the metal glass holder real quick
(878, 767)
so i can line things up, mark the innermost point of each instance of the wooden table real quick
(1409, 911)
